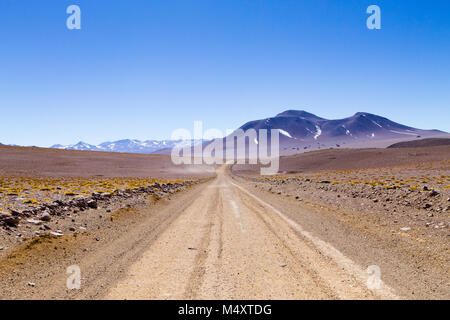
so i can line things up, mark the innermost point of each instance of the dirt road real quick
(231, 244)
(226, 239)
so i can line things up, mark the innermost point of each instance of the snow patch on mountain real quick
(407, 133)
(318, 133)
(285, 133)
(376, 123)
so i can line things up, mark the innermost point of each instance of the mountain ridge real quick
(125, 145)
(301, 124)
(299, 130)
(304, 131)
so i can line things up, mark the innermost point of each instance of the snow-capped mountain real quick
(79, 146)
(304, 126)
(126, 145)
(301, 130)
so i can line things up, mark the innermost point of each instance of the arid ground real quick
(329, 226)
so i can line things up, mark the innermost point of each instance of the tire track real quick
(352, 269)
(196, 277)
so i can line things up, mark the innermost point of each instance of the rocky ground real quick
(414, 196)
(68, 213)
(29, 193)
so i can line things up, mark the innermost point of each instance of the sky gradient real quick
(141, 69)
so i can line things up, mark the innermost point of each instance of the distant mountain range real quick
(126, 145)
(301, 130)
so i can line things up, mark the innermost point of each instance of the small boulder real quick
(45, 217)
(10, 220)
(34, 222)
(92, 204)
(433, 193)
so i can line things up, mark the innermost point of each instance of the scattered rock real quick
(433, 193)
(34, 222)
(45, 217)
(56, 234)
(92, 204)
(31, 284)
(190, 248)
(283, 265)
(405, 228)
(10, 220)
(15, 213)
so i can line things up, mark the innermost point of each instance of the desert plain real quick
(139, 227)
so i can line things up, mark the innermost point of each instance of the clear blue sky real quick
(142, 68)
